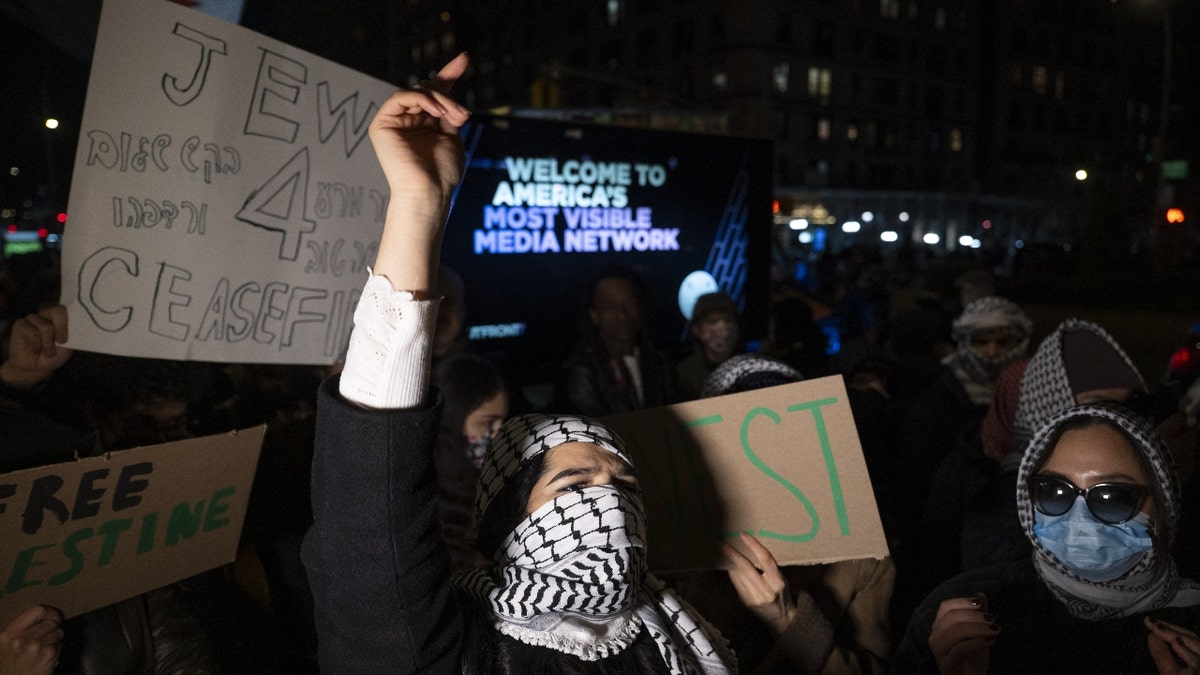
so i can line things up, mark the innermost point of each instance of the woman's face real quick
(484, 421)
(574, 466)
(1097, 454)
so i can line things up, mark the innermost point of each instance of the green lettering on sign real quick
(835, 482)
(774, 475)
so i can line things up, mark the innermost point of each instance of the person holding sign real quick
(560, 515)
(30, 644)
(1098, 499)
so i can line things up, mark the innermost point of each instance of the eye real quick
(573, 487)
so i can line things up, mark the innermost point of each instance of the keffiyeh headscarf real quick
(976, 373)
(746, 372)
(1076, 357)
(1154, 581)
(571, 576)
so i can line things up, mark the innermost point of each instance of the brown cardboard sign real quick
(85, 534)
(783, 463)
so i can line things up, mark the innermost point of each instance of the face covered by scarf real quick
(996, 316)
(1067, 551)
(571, 576)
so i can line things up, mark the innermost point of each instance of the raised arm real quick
(379, 570)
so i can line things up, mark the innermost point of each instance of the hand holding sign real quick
(30, 643)
(759, 583)
(34, 348)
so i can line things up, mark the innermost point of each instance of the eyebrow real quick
(1106, 478)
(573, 472)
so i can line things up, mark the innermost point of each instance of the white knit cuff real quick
(388, 361)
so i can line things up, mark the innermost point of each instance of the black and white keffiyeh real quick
(746, 372)
(1046, 388)
(976, 373)
(1154, 581)
(572, 575)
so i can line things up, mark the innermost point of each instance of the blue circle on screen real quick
(694, 285)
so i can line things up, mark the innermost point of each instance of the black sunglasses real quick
(1110, 503)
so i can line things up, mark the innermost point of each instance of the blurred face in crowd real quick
(574, 466)
(158, 421)
(994, 343)
(484, 421)
(718, 335)
(616, 312)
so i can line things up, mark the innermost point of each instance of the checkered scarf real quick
(1045, 387)
(976, 373)
(572, 575)
(1154, 581)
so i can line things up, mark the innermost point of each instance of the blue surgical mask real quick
(1091, 549)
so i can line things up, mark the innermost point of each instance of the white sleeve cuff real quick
(388, 360)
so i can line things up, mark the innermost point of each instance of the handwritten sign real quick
(782, 463)
(86, 534)
(225, 201)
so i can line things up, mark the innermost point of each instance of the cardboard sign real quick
(85, 534)
(225, 201)
(783, 463)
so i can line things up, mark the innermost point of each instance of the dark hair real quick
(112, 384)
(466, 382)
(507, 508)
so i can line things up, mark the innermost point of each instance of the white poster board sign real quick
(225, 201)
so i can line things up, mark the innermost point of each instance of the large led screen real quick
(545, 205)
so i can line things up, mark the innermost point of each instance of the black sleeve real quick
(379, 570)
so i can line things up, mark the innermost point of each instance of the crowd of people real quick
(412, 514)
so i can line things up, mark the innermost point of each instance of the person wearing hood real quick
(566, 588)
(1079, 362)
(1098, 500)
(938, 440)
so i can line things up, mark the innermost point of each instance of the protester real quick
(716, 336)
(560, 517)
(829, 618)
(1098, 500)
(475, 403)
(940, 452)
(615, 366)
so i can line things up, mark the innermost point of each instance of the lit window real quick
(1039, 80)
(614, 12)
(1059, 85)
(720, 80)
(780, 77)
(939, 18)
(852, 132)
(823, 127)
(956, 141)
(820, 84)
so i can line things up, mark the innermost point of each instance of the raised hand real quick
(962, 636)
(416, 140)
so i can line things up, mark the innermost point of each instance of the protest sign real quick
(783, 463)
(225, 200)
(86, 534)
